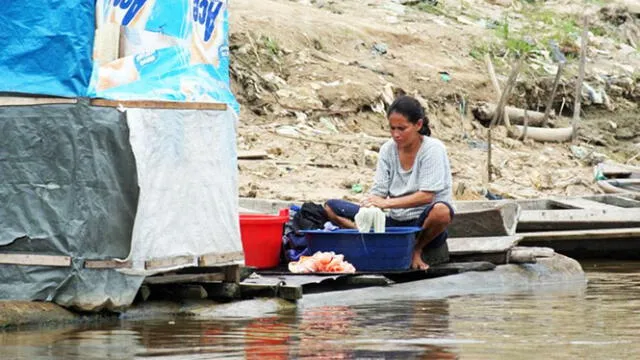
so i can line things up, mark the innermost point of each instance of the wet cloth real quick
(349, 210)
(370, 217)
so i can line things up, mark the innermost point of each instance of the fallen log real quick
(484, 112)
(545, 134)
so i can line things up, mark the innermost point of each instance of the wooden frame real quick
(161, 263)
(220, 259)
(32, 100)
(156, 104)
(107, 264)
(35, 259)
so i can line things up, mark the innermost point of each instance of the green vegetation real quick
(271, 45)
(430, 8)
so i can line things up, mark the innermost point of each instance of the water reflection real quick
(601, 321)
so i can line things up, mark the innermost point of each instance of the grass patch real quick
(271, 45)
(430, 8)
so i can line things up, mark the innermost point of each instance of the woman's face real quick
(403, 131)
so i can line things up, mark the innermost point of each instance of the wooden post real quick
(500, 108)
(496, 87)
(578, 94)
(547, 110)
(232, 273)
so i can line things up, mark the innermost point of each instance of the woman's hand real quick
(373, 200)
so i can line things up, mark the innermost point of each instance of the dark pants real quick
(436, 251)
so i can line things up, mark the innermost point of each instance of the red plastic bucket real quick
(261, 236)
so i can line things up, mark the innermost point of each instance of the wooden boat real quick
(620, 186)
(598, 226)
(579, 213)
(485, 218)
(620, 178)
(613, 170)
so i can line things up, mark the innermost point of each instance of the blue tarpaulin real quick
(46, 46)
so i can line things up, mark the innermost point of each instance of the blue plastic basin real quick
(388, 251)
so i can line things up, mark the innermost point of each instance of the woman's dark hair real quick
(411, 109)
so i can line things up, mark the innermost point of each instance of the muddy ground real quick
(314, 77)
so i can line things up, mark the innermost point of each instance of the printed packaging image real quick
(174, 50)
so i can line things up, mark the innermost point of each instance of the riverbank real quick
(553, 271)
(313, 90)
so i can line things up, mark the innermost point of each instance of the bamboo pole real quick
(547, 110)
(578, 92)
(515, 70)
(496, 86)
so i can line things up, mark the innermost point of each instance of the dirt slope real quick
(314, 77)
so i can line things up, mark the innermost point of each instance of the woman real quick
(413, 181)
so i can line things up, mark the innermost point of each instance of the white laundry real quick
(370, 217)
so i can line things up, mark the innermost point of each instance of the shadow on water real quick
(600, 320)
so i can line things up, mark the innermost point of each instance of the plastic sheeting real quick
(67, 187)
(187, 173)
(46, 46)
(173, 50)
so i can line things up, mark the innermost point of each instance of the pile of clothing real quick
(309, 216)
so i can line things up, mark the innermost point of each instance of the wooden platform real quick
(276, 280)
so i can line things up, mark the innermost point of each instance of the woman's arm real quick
(382, 179)
(416, 199)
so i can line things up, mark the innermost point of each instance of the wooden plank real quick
(171, 262)
(308, 163)
(184, 278)
(107, 264)
(287, 292)
(578, 219)
(616, 200)
(482, 245)
(580, 203)
(156, 104)
(218, 259)
(253, 155)
(28, 100)
(598, 234)
(35, 260)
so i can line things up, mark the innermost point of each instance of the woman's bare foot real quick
(416, 261)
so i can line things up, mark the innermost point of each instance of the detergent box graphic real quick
(166, 50)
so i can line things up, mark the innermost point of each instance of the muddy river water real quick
(599, 320)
